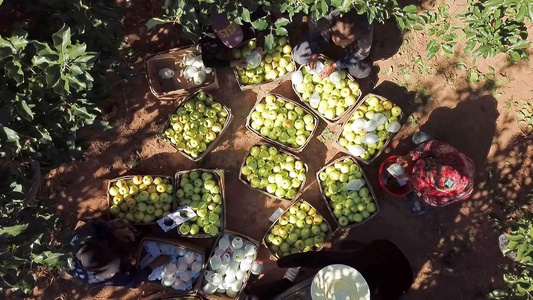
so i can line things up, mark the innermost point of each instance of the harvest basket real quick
(278, 143)
(326, 199)
(219, 175)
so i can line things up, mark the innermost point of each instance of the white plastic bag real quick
(370, 125)
(199, 77)
(370, 138)
(379, 118)
(335, 77)
(358, 124)
(356, 150)
(314, 100)
(355, 185)
(393, 126)
(254, 59)
(297, 77)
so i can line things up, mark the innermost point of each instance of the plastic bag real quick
(393, 126)
(370, 138)
(189, 72)
(297, 77)
(379, 118)
(318, 68)
(370, 125)
(355, 185)
(314, 100)
(166, 73)
(199, 77)
(335, 77)
(254, 59)
(356, 150)
(358, 124)
(189, 59)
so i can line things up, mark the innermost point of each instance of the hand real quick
(159, 261)
(313, 60)
(124, 235)
(260, 50)
(238, 64)
(327, 70)
(404, 161)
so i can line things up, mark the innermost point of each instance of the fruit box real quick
(323, 58)
(305, 109)
(177, 86)
(245, 87)
(387, 141)
(128, 177)
(217, 296)
(243, 178)
(326, 199)
(212, 145)
(189, 247)
(219, 174)
(273, 256)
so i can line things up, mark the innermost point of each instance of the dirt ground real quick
(453, 251)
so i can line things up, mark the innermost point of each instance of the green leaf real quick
(12, 231)
(448, 48)
(281, 31)
(153, 22)
(24, 110)
(61, 39)
(9, 134)
(260, 24)
(245, 15)
(514, 56)
(269, 41)
(281, 22)
(461, 67)
(13, 70)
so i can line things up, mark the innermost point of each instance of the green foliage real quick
(521, 242)
(191, 15)
(491, 28)
(50, 78)
(27, 236)
(437, 24)
(519, 279)
(43, 94)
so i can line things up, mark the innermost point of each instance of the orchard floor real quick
(453, 251)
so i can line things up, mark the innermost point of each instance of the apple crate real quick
(305, 109)
(387, 141)
(273, 255)
(177, 86)
(368, 185)
(242, 177)
(245, 87)
(219, 175)
(211, 146)
(185, 246)
(128, 177)
(323, 58)
(218, 296)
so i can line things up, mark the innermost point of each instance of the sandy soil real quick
(453, 251)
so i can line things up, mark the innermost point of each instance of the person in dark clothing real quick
(224, 35)
(95, 261)
(349, 31)
(384, 267)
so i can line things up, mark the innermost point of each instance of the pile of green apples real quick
(348, 196)
(201, 192)
(196, 124)
(275, 63)
(276, 173)
(282, 121)
(372, 123)
(141, 199)
(334, 99)
(300, 229)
